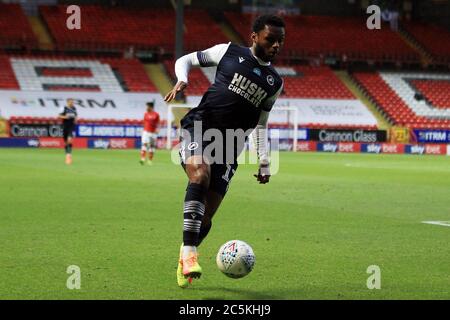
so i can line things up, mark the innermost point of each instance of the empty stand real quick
(7, 78)
(393, 104)
(345, 36)
(79, 74)
(121, 27)
(15, 30)
(241, 23)
(64, 72)
(315, 83)
(112, 28)
(437, 92)
(299, 82)
(198, 82)
(315, 36)
(434, 39)
(133, 74)
(201, 32)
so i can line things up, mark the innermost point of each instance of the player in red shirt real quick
(150, 133)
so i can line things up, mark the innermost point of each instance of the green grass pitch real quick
(315, 228)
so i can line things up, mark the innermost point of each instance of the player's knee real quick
(199, 174)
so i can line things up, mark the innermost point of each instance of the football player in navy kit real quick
(68, 114)
(245, 88)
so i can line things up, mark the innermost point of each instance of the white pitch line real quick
(439, 223)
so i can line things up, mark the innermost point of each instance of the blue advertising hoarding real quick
(431, 136)
(108, 131)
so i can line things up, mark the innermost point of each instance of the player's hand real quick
(180, 86)
(263, 175)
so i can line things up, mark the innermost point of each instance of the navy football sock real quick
(194, 209)
(204, 230)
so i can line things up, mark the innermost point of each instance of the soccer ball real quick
(235, 259)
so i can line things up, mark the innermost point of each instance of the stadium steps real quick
(358, 93)
(41, 32)
(230, 33)
(163, 82)
(159, 77)
(426, 57)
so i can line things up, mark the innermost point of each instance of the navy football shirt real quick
(71, 113)
(243, 86)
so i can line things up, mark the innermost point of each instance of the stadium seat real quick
(15, 30)
(338, 37)
(435, 91)
(127, 74)
(434, 39)
(7, 78)
(118, 28)
(315, 83)
(393, 105)
(198, 82)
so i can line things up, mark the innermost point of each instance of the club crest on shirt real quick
(270, 80)
(257, 71)
(192, 146)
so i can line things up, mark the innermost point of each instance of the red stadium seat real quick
(392, 106)
(315, 36)
(437, 92)
(122, 27)
(15, 30)
(315, 83)
(130, 71)
(434, 39)
(7, 77)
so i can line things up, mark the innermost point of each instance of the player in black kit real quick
(68, 114)
(245, 88)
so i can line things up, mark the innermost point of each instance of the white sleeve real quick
(261, 128)
(260, 136)
(206, 58)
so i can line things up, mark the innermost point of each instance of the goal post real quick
(284, 117)
(175, 111)
(287, 118)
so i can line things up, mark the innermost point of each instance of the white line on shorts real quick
(439, 223)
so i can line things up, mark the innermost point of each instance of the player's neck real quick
(260, 61)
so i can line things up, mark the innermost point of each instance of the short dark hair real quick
(150, 104)
(269, 20)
